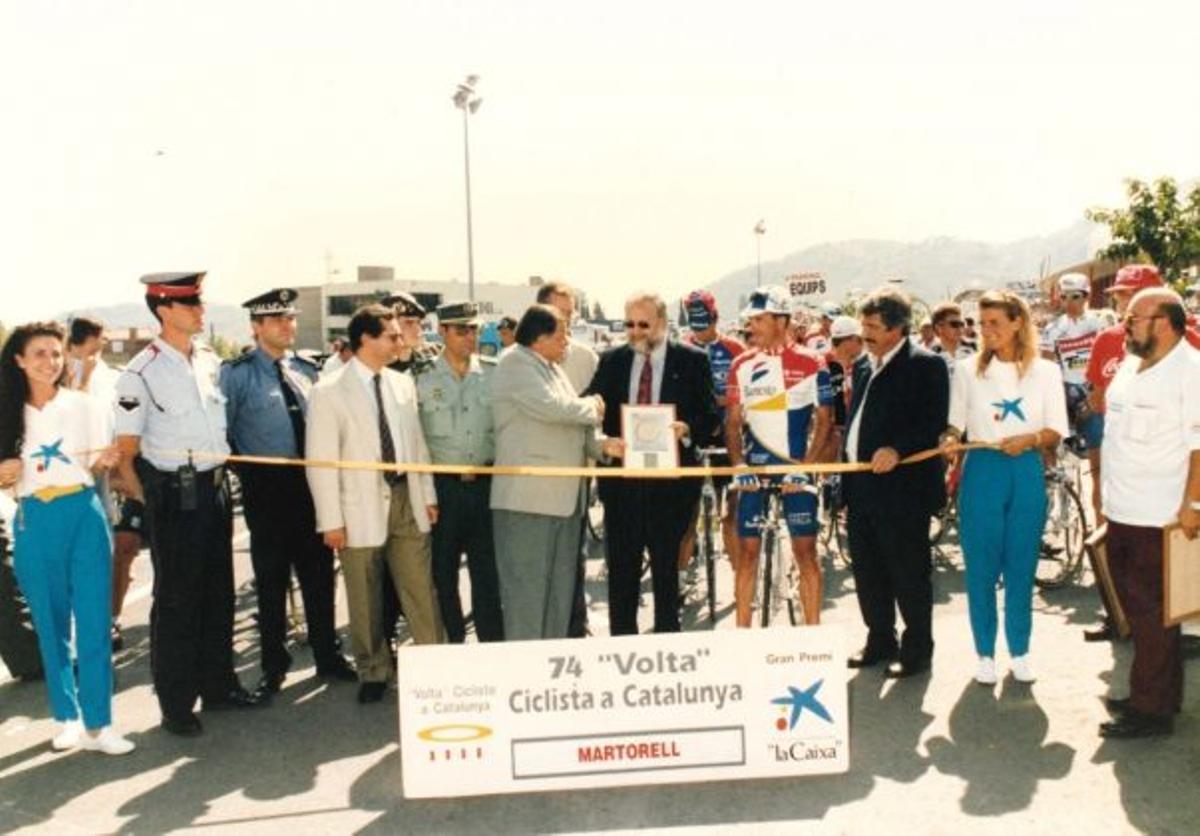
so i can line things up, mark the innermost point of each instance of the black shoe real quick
(1103, 633)
(185, 725)
(1116, 705)
(1134, 724)
(236, 697)
(867, 658)
(903, 670)
(270, 683)
(118, 641)
(371, 692)
(339, 669)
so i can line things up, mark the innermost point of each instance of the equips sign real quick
(555, 715)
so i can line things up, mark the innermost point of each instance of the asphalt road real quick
(934, 754)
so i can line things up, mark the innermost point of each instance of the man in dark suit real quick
(651, 514)
(900, 406)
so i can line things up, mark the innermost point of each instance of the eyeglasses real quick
(637, 323)
(1130, 319)
(955, 323)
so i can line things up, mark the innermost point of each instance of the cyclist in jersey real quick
(1068, 340)
(701, 309)
(776, 393)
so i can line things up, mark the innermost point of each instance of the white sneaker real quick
(107, 741)
(1022, 671)
(985, 671)
(67, 736)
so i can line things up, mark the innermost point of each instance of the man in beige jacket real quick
(367, 412)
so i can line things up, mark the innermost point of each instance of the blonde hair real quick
(1017, 310)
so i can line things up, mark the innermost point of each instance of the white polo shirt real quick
(1151, 427)
(999, 404)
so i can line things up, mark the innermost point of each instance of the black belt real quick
(465, 477)
(215, 477)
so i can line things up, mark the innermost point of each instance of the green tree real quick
(226, 349)
(597, 312)
(1158, 226)
(3, 334)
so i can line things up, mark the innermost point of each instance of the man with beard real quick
(651, 514)
(1151, 472)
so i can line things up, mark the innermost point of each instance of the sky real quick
(619, 145)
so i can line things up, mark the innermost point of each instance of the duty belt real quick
(217, 475)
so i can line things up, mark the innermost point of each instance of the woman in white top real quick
(1010, 397)
(52, 443)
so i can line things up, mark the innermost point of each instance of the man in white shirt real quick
(1151, 473)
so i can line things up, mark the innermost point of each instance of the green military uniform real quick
(456, 417)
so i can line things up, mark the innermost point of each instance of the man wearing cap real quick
(1107, 353)
(818, 340)
(776, 393)
(455, 401)
(507, 329)
(1068, 341)
(266, 391)
(701, 309)
(413, 353)
(367, 412)
(844, 359)
(170, 425)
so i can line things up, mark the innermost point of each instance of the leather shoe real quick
(371, 692)
(270, 683)
(185, 725)
(339, 669)
(1103, 633)
(902, 670)
(1132, 724)
(867, 658)
(236, 697)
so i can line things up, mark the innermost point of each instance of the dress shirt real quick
(658, 359)
(877, 365)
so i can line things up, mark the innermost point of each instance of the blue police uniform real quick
(266, 404)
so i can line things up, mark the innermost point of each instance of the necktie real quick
(386, 443)
(646, 382)
(294, 409)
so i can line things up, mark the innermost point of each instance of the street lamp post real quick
(760, 229)
(465, 100)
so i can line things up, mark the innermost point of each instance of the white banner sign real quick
(531, 716)
(805, 284)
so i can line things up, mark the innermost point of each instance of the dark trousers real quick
(283, 536)
(892, 569)
(642, 516)
(191, 619)
(465, 525)
(1135, 558)
(578, 628)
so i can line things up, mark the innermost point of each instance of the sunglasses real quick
(1074, 296)
(955, 323)
(637, 323)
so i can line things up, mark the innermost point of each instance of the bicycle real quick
(709, 523)
(833, 536)
(1060, 560)
(777, 583)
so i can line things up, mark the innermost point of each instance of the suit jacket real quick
(906, 409)
(687, 383)
(539, 421)
(343, 424)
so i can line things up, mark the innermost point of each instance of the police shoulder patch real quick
(129, 403)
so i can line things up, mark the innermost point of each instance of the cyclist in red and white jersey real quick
(1068, 340)
(776, 393)
(701, 309)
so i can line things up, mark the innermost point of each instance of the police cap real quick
(405, 304)
(277, 302)
(458, 313)
(176, 285)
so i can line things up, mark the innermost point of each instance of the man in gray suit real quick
(540, 421)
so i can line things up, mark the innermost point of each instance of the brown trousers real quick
(1135, 557)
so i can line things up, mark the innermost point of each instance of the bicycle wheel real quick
(791, 584)
(710, 557)
(1061, 554)
(594, 513)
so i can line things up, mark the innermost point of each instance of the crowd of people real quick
(102, 462)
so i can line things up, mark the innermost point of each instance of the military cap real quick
(277, 302)
(404, 303)
(177, 285)
(459, 313)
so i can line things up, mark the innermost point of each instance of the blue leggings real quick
(62, 557)
(1002, 511)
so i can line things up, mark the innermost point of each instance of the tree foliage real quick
(1157, 226)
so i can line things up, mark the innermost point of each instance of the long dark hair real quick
(14, 385)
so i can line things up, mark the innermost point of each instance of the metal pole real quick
(470, 243)
(758, 247)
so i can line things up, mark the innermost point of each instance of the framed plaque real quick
(649, 439)
(1181, 577)
(1097, 552)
